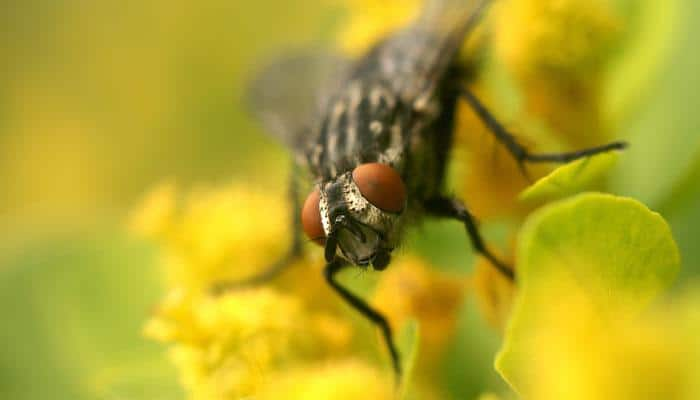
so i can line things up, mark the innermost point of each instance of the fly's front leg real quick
(517, 150)
(293, 253)
(445, 207)
(330, 271)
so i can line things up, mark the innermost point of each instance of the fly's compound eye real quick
(311, 218)
(381, 185)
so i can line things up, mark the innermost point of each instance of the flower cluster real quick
(292, 335)
(558, 52)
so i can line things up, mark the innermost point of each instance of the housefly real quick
(375, 134)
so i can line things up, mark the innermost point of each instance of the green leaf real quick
(649, 27)
(611, 253)
(75, 306)
(663, 133)
(408, 343)
(683, 215)
(570, 179)
(467, 367)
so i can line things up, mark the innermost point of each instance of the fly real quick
(375, 135)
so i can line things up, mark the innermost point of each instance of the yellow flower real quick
(228, 346)
(254, 341)
(490, 177)
(494, 293)
(558, 50)
(216, 234)
(412, 289)
(567, 39)
(154, 215)
(340, 380)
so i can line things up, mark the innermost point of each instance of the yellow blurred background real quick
(100, 101)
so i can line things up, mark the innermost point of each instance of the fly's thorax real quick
(362, 123)
(368, 121)
(363, 230)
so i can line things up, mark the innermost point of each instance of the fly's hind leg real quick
(517, 150)
(446, 207)
(292, 254)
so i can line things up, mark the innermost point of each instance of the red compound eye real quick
(381, 185)
(311, 218)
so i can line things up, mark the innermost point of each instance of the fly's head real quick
(359, 213)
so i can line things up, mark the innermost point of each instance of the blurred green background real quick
(101, 100)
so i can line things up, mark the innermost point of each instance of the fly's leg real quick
(330, 271)
(293, 254)
(445, 207)
(519, 152)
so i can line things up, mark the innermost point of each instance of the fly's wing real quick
(287, 95)
(415, 59)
